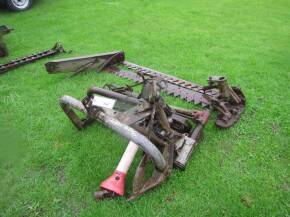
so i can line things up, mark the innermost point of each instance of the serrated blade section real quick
(175, 87)
(125, 74)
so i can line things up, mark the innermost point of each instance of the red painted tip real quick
(115, 183)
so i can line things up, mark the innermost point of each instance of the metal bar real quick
(69, 103)
(114, 95)
(145, 144)
(31, 58)
(80, 64)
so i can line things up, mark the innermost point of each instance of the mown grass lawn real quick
(48, 168)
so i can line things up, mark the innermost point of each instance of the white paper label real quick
(104, 102)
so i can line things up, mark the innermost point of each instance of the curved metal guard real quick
(69, 103)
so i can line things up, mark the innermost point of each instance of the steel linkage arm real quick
(114, 95)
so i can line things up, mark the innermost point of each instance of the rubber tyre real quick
(11, 4)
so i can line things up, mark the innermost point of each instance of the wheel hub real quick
(21, 4)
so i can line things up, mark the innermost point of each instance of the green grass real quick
(48, 168)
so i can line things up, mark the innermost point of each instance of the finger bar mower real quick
(167, 135)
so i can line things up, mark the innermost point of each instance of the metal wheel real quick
(19, 5)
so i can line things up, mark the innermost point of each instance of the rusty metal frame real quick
(154, 122)
(229, 102)
(160, 130)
